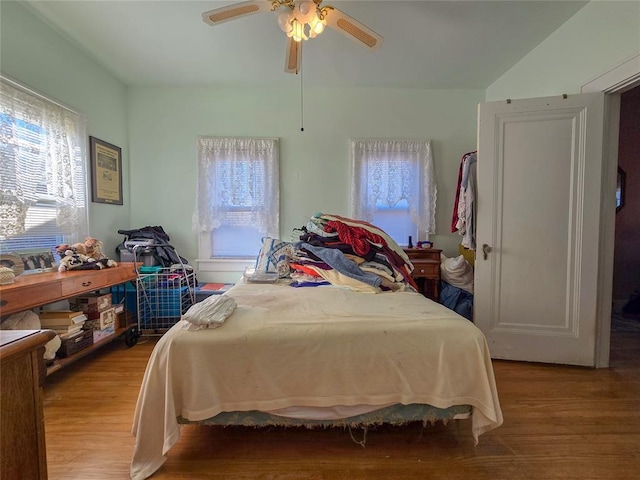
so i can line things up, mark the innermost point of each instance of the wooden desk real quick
(32, 291)
(22, 442)
(426, 271)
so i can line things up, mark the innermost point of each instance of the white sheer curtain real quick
(43, 149)
(237, 184)
(385, 172)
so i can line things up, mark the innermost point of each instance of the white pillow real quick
(457, 271)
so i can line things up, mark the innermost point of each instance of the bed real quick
(326, 355)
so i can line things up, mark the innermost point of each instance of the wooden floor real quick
(560, 423)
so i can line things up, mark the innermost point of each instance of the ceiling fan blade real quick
(350, 27)
(293, 56)
(231, 12)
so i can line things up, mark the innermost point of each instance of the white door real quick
(539, 191)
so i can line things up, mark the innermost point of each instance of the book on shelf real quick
(60, 318)
(69, 332)
(59, 314)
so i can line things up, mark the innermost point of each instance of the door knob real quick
(485, 250)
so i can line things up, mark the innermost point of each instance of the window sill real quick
(224, 265)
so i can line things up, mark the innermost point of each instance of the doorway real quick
(621, 78)
(625, 326)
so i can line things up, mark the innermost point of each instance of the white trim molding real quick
(618, 79)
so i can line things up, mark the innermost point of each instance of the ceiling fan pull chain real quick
(301, 97)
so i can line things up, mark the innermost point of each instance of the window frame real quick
(205, 261)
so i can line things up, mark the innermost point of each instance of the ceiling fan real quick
(300, 20)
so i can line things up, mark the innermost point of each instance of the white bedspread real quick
(313, 347)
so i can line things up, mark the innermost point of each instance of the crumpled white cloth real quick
(29, 320)
(209, 313)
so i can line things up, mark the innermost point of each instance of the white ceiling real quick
(427, 44)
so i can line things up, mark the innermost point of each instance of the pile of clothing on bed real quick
(340, 251)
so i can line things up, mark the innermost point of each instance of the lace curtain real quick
(384, 172)
(237, 184)
(43, 149)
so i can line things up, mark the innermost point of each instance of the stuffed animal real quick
(72, 260)
(62, 248)
(93, 248)
(83, 256)
(78, 261)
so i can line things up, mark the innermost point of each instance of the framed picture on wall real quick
(106, 172)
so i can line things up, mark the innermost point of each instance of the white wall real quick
(600, 36)
(314, 164)
(38, 57)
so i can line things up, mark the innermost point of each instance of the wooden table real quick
(33, 290)
(426, 271)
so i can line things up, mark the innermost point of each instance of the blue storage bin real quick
(164, 302)
(155, 302)
(125, 294)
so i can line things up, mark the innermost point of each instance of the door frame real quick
(613, 83)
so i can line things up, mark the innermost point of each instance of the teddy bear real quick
(93, 248)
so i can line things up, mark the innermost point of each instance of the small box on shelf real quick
(101, 320)
(124, 319)
(75, 343)
(90, 303)
(101, 334)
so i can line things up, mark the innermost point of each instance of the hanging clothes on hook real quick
(465, 207)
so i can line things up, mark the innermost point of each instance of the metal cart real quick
(163, 294)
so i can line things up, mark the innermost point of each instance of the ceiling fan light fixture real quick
(297, 32)
(284, 21)
(304, 11)
(304, 21)
(316, 26)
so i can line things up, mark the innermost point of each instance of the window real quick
(393, 187)
(237, 200)
(43, 184)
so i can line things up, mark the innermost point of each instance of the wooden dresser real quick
(22, 441)
(426, 271)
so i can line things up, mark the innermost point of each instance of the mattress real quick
(321, 347)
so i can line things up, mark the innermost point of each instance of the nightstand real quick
(426, 270)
